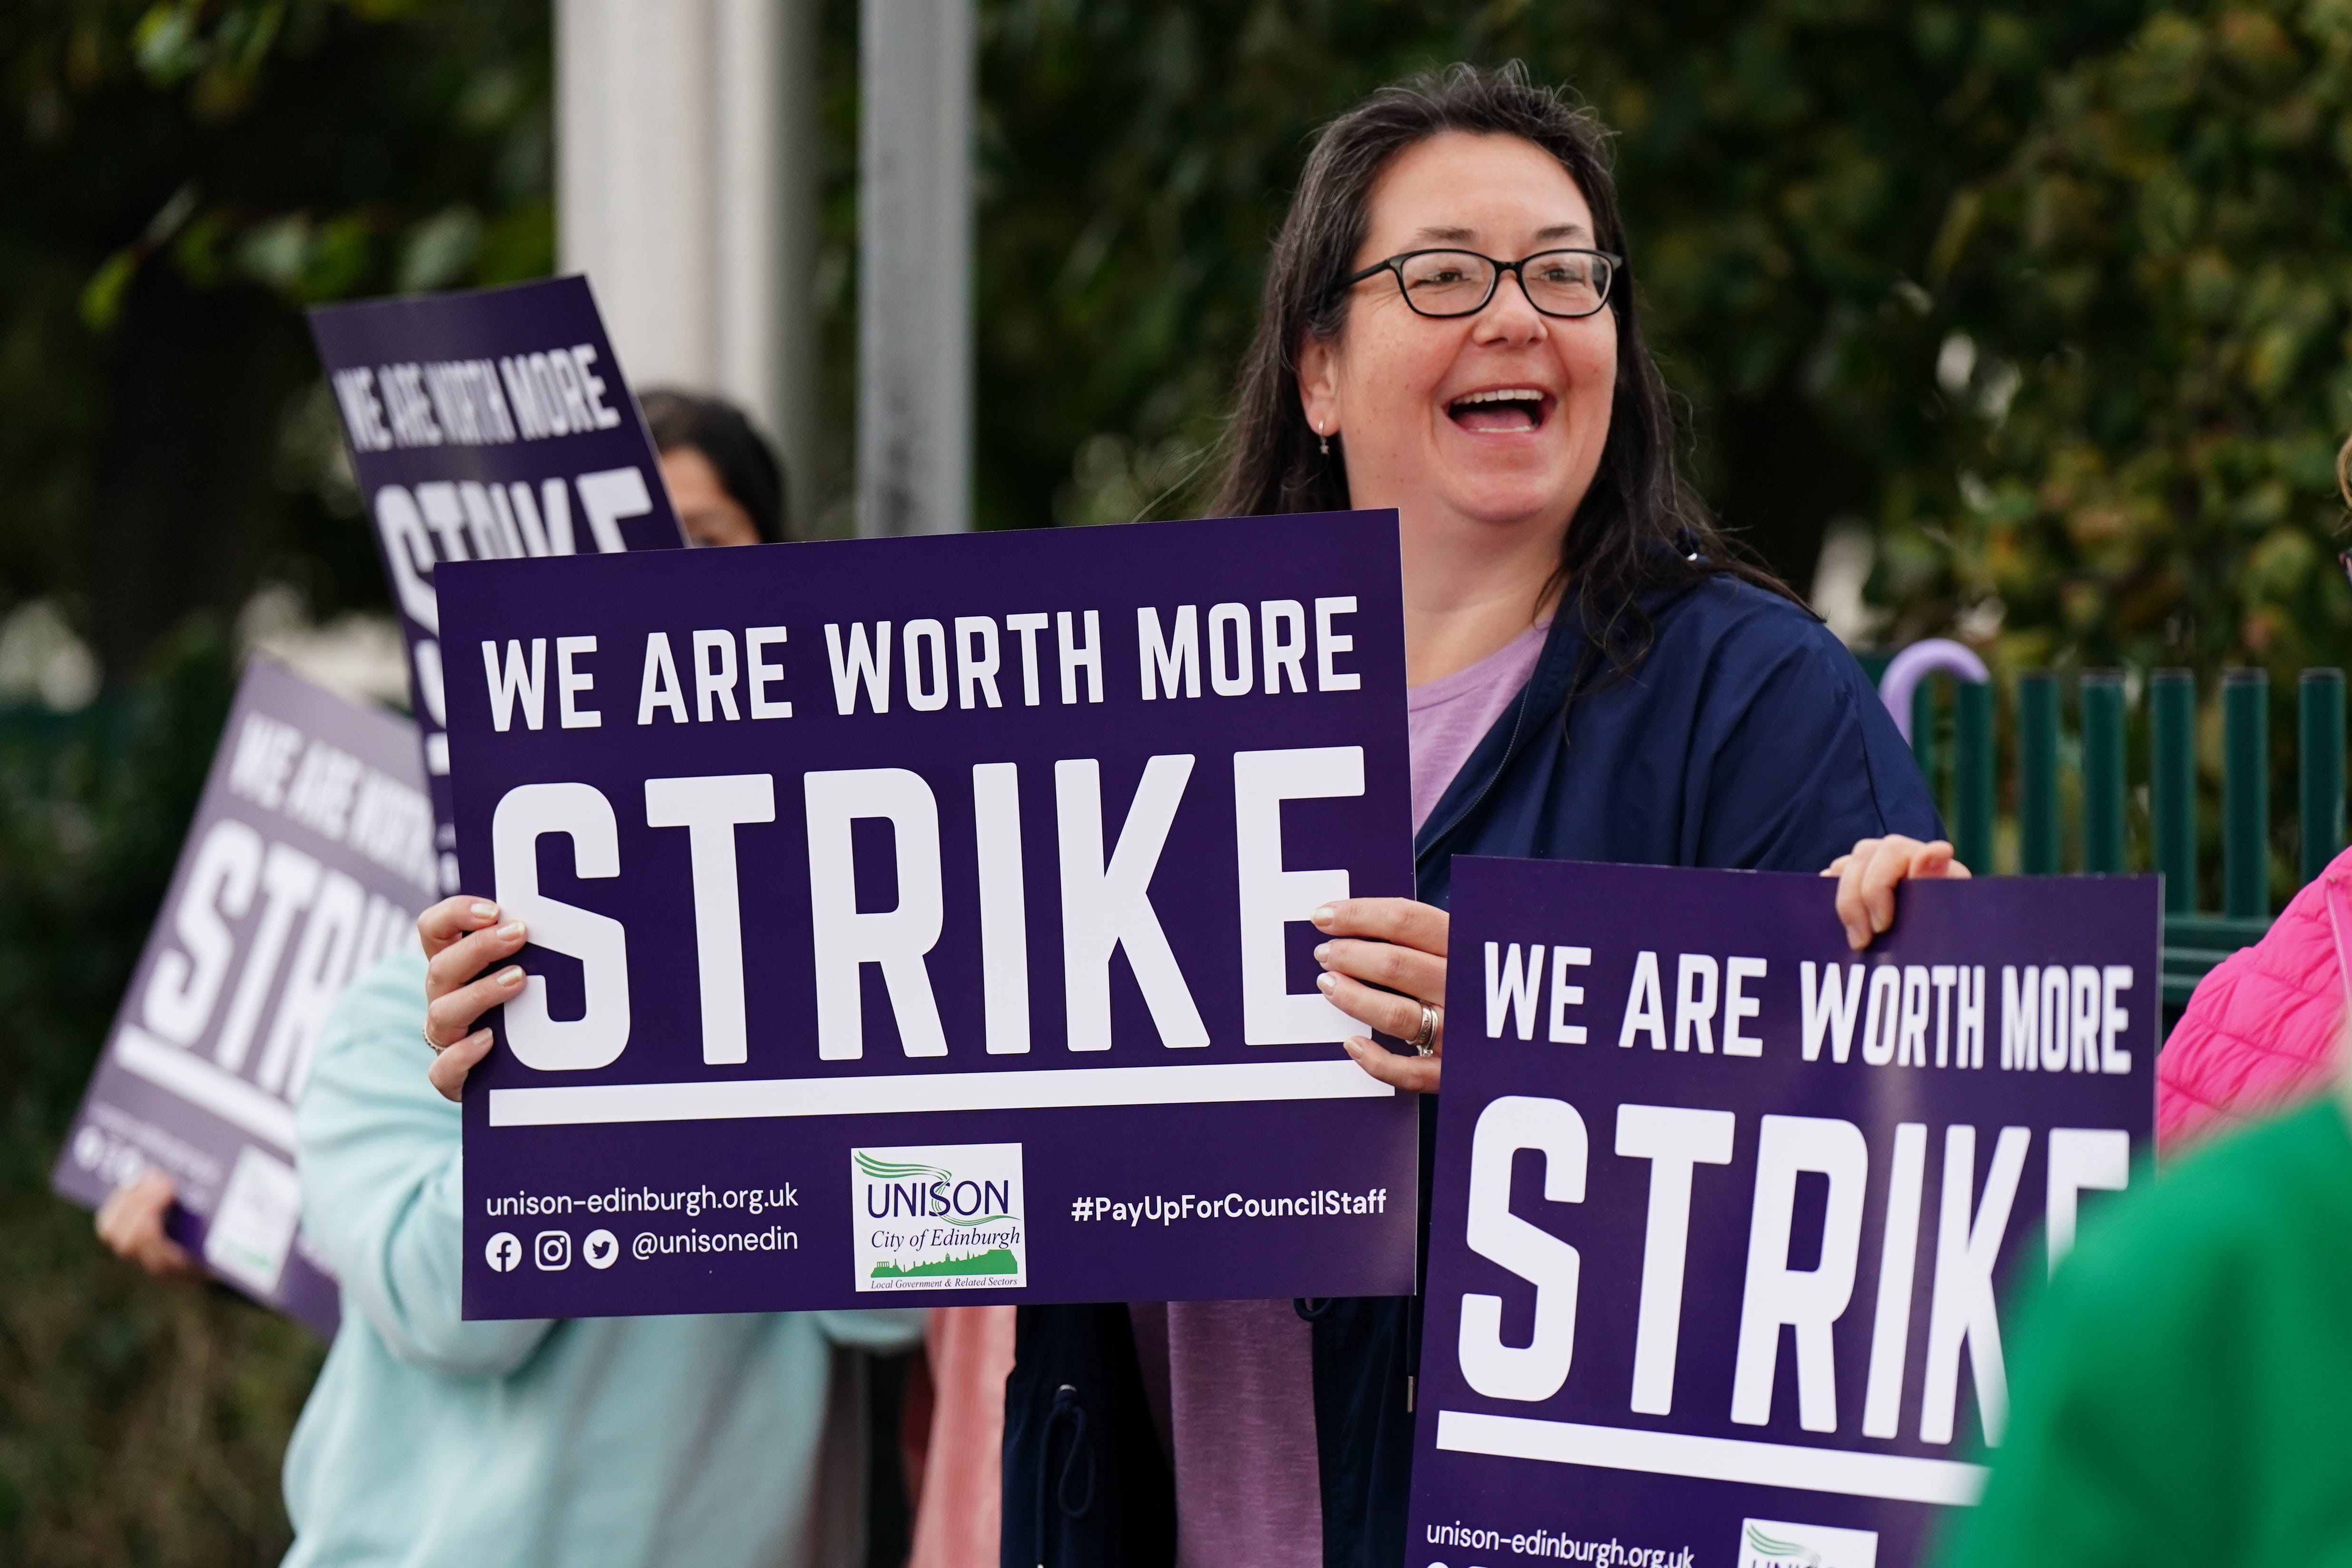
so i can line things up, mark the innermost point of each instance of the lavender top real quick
(1231, 1383)
(1451, 714)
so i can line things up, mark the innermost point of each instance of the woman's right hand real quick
(463, 938)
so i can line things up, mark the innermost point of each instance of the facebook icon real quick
(504, 1253)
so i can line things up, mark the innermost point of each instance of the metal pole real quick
(2037, 772)
(2172, 785)
(2319, 811)
(1972, 775)
(2245, 793)
(914, 268)
(1923, 733)
(637, 181)
(2102, 771)
(792, 374)
(684, 155)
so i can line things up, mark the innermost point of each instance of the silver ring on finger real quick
(437, 1046)
(1424, 1040)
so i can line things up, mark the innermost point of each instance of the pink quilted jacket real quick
(2260, 1031)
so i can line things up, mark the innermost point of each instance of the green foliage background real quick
(176, 181)
(137, 1424)
(2052, 299)
(2161, 265)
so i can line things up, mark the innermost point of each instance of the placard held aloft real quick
(933, 915)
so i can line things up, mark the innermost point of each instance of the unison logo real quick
(926, 1191)
(942, 1217)
(1777, 1543)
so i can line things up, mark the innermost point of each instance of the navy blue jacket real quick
(1749, 738)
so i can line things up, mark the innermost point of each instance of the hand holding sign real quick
(1869, 874)
(463, 940)
(131, 1223)
(1725, 1215)
(1387, 960)
(958, 895)
(1384, 966)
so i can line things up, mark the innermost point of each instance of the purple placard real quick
(486, 426)
(1731, 1296)
(1013, 960)
(311, 853)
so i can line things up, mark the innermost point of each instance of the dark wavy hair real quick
(1641, 528)
(748, 467)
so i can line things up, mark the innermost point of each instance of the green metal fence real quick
(1954, 737)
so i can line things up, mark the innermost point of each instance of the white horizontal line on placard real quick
(1041, 1088)
(200, 1083)
(1894, 1477)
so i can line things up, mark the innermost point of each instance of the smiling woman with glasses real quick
(1597, 674)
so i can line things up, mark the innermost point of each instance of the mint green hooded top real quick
(587, 1443)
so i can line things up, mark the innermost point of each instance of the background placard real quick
(485, 426)
(308, 857)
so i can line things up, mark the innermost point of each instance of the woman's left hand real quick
(131, 1223)
(1394, 943)
(1867, 878)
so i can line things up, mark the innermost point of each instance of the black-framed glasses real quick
(1569, 284)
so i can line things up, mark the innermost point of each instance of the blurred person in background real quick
(623, 1440)
(2260, 1032)
(1597, 674)
(724, 479)
(429, 1439)
(727, 485)
(620, 1441)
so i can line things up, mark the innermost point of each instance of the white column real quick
(685, 146)
(914, 268)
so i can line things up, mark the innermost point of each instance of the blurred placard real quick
(311, 853)
(481, 426)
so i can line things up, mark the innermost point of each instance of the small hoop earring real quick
(1327, 441)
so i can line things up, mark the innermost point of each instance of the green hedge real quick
(139, 1423)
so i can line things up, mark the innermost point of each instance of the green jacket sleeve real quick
(2124, 1443)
